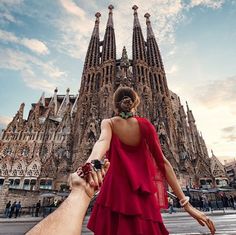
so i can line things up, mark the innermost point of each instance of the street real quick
(177, 224)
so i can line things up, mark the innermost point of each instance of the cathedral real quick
(58, 135)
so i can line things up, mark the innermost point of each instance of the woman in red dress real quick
(133, 191)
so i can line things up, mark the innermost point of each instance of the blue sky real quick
(43, 45)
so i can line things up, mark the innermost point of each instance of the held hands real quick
(200, 217)
(89, 183)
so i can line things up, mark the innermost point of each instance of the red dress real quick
(133, 190)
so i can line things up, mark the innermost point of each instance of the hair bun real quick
(125, 99)
(126, 104)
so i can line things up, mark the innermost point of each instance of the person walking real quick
(7, 209)
(231, 200)
(17, 210)
(12, 209)
(38, 206)
(171, 205)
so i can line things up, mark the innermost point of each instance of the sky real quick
(43, 45)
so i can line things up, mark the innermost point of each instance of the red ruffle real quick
(104, 221)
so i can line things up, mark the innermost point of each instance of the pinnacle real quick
(147, 16)
(110, 7)
(135, 8)
(98, 14)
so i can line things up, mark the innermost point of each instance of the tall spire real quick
(136, 20)
(21, 113)
(42, 99)
(153, 52)
(139, 52)
(190, 114)
(92, 56)
(110, 20)
(96, 26)
(149, 27)
(109, 44)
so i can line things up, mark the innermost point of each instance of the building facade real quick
(60, 131)
(230, 168)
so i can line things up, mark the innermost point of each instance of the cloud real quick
(231, 137)
(4, 120)
(229, 133)
(173, 69)
(218, 93)
(6, 8)
(215, 4)
(34, 45)
(76, 24)
(228, 129)
(35, 73)
(74, 20)
(72, 8)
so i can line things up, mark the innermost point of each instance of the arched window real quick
(45, 184)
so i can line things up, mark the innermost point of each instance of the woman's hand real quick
(92, 182)
(200, 217)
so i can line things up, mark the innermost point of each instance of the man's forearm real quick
(173, 181)
(67, 219)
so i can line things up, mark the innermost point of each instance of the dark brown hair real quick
(125, 99)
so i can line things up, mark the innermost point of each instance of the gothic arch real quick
(4, 168)
(34, 169)
(18, 168)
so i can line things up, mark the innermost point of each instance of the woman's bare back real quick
(127, 130)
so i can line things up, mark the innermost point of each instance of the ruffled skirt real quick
(104, 221)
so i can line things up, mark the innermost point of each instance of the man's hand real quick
(92, 182)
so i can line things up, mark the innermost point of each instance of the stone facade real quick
(230, 168)
(218, 171)
(59, 133)
(26, 197)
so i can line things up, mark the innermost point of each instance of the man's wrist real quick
(80, 192)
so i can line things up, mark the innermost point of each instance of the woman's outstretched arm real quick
(174, 184)
(68, 218)
(103, 143)
(168, 172)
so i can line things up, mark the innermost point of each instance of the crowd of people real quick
(12, 209)
(38, 209)
(205, 203)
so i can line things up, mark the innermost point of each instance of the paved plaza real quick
(178, 224)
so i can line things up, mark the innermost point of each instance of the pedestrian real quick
(7, 209)
(12, 209)
(38, 206)
(226, 201)
(231, 199)
(171, 205)
(17, 210)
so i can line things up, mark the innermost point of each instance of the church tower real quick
(140, 68)
(96, 90)
(108, 68)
